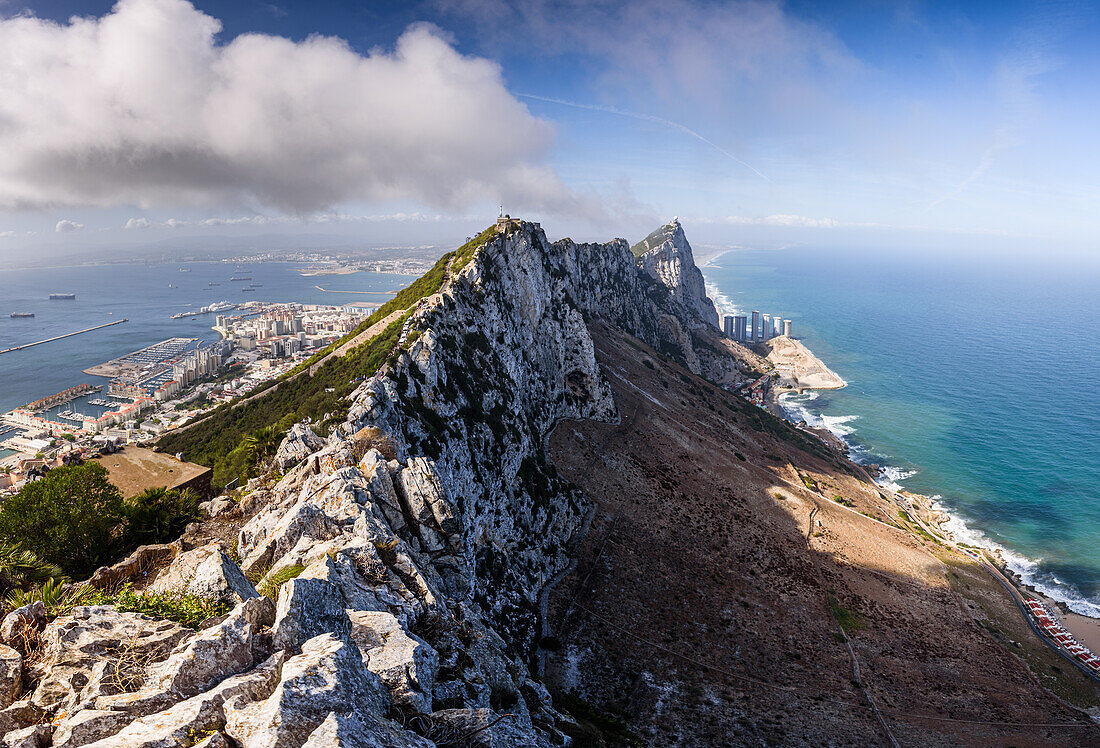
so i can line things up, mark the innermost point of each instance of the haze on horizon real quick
(758, 123)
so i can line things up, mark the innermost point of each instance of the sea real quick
(972, 380)
(147, 295)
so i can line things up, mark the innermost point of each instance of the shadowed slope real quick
(706, 608)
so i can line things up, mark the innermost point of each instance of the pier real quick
(375, 293)
(66, 335)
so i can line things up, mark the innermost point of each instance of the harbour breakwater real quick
(60, 337)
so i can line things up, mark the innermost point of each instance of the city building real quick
(739, 332)
(757, 330)
(727, 326)
(787, 327)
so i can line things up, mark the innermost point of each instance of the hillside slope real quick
(427, 555)
(705, 610)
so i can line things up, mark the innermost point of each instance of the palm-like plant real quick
(159, 515)
(57, 600)
(22, 568)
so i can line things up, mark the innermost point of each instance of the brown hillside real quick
(701, 613)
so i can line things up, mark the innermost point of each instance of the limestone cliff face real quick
(422, 530)
(666, 255)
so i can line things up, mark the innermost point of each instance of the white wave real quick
(794, 405)
(1029, 570)
(891, 476)
(722, 302)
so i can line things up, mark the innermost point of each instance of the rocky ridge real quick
(406, 552)
(666, 255)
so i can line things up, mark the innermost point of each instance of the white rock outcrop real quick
(205, 572)
(666, 255)
(414, 602)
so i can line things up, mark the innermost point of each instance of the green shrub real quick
(67, 518)
(53, 595)
(186, 610)
(849, 620)
(19, 568)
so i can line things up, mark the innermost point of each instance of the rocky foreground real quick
(391, 584)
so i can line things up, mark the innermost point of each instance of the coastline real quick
(932, 512)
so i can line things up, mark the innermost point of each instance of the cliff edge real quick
(534, 471)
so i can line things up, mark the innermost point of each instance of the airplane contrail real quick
(648, 118)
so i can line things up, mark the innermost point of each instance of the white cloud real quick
(65, 226)
(264, 220)
(779, 219)
(744, 59)
(144, 107)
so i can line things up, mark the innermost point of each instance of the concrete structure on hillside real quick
(757, 331)
(727, 326)
(135, 469)
(787, 327)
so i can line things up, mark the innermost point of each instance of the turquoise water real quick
(147, 295)
(974, 382)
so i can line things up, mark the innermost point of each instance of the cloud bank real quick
(145, 107)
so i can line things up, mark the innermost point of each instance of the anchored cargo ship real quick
(62, 296)
(22, 315)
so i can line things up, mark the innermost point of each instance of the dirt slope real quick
(702, 612)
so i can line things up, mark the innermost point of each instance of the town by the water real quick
(133, 399)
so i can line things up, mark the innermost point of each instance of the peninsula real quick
(536, 507)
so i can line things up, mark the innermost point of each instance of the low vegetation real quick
(186, 610)
(270, 586)
(849, 620)
(56, 596)
(74, 519)
(595, 728)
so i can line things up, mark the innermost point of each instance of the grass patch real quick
(270, 588)
(849, 620)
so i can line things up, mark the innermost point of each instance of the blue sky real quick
(920, 125)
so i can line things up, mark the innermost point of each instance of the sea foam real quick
(797, 408)
(1029, 570)
(724, 304)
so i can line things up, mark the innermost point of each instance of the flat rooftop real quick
(135, 469)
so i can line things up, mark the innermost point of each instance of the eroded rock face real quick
(206, 572)
(11, 676)
(23, 623)
(216, 653)
(199, 714)
(75, 644)
(300, 442)
(328, 676)
(666, 255)
(406, 663)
